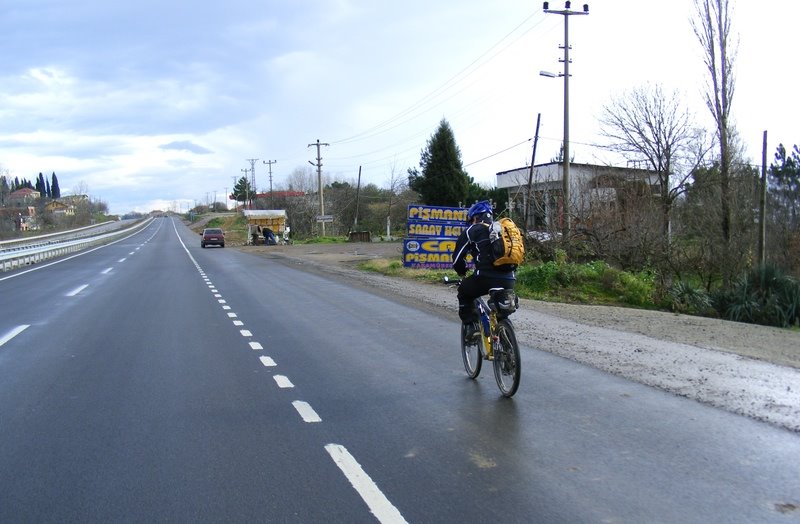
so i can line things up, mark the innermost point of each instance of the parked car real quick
(212, 236)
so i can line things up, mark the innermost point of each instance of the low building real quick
(59, 208)
(19, 218)
(593, 189)
(23, 197)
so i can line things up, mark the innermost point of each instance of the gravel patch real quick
(742, 368)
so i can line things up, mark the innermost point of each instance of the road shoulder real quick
(742, 368)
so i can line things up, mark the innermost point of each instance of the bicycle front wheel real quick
(471, 354)
(507, 360)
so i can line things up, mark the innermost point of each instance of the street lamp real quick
(566, 13)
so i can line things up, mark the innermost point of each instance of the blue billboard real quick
(431, 236)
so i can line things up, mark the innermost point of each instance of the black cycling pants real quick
(473, 287)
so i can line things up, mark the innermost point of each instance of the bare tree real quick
(301, 211)
(396, 185)
(713, 30)
(645, 124)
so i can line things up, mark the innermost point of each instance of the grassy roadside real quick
(593, 283)
(760, 298)
(597, 283)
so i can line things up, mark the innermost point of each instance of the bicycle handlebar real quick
(446, 280)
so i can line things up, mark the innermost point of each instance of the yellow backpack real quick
(508, 246)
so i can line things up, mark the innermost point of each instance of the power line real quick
(443, 87)
(498, 153)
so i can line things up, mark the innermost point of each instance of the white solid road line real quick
(13, 333)
(377, 502)
(306, 411)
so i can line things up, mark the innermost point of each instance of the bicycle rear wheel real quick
(471, 354)
(507, 361)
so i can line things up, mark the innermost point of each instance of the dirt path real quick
(747, 369)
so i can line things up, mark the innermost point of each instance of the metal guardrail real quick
(18, 253)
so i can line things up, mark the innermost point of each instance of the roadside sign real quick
(324, 218)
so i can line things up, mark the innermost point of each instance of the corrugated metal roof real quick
(264, 213)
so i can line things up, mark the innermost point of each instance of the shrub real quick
(763, 296)
(538, 278)
(688, 299)
(636, 290)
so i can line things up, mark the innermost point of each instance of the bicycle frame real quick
(498, 342)
(488, 325)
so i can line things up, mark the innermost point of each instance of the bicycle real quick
(497, 341)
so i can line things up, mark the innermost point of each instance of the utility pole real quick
(358, 190)
(319, 181)
(246, 189)
(252, 177)
(269, 163)
(233, 190)
(530, 175)
(566, 13)
(762, 206)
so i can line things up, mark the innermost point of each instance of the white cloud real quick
(163, 102)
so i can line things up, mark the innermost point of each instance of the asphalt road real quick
(152, 380)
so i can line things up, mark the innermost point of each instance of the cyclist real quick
(474, 240)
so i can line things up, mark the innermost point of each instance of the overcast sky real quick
(157, 104)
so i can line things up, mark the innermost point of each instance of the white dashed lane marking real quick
(378, 504)
(283, 381)
(77, 290)
(13, 333)
(306, 411)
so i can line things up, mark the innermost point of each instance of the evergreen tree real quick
(5, 189)
(443, 181)
(784, 178)
(242, 192)
(783, 207)
(54, 189)
(40, 185)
